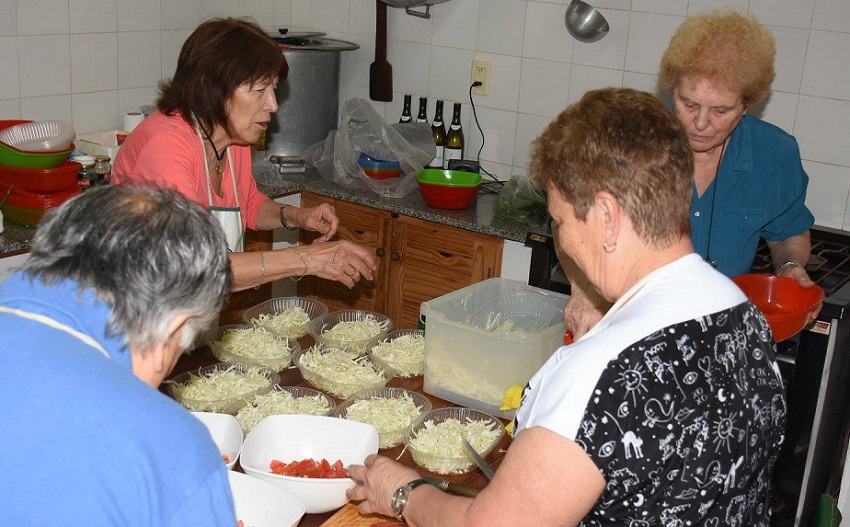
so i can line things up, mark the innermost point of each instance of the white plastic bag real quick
(363, 131)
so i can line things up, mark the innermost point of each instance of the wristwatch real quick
(399, 499)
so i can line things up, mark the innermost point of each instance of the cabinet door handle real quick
(395, 256)
(381, 251)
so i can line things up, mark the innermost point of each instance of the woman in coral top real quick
(218, 103)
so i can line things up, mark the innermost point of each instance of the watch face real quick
(399, 500)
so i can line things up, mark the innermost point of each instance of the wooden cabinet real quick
(418, 260)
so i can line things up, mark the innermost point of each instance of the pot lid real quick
(310, 41)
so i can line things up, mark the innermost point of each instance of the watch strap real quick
(399, 500)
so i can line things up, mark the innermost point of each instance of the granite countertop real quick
(479, 217)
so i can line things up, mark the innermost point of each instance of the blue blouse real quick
(759, 192)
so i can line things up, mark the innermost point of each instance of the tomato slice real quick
(309, 468)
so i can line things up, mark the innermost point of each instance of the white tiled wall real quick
(90, 61)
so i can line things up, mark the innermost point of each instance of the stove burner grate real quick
(828, 265)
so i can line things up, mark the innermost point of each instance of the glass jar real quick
(85, 175)
(102, 170)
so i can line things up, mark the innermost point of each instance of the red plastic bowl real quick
(446, 197)
(63, 177)
(784, 303)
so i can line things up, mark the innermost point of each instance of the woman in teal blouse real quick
(749, 183)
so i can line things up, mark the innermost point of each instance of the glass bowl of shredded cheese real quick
(287, 316)
(252, 346)
(402, 351)
(390, 410)
(222, 387)
(353, 329)
(284, 400)
(434, 440)
(340, 372)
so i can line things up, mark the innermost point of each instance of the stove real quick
(815, 367)
(828, 266)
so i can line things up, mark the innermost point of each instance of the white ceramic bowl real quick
(225, 432)
(259, 504)
(290, 438)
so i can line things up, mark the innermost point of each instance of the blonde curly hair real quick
(726, 48)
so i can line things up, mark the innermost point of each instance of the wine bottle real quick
(405, 113)
(454, 139)
(422, 117)
(438, 129)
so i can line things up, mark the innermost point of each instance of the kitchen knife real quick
(453, 488)
(485, 468)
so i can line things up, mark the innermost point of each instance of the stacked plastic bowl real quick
(35, 174)
(448, 189)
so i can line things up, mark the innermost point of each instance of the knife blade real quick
(479, 461)
(454, 488)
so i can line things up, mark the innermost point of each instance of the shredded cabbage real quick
(255, 344)
(338, 371)
(221, 385)
(280, 402)
(290, 322)
(440, 447)
(458, 380)
(406, 354)
(355, 333)
(389, 415)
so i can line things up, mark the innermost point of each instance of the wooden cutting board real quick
(348, 516)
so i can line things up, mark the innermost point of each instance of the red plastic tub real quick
(63, 177)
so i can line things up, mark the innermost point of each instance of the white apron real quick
(230, 218)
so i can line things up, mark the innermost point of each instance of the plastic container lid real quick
(366, 161)
(84, 160)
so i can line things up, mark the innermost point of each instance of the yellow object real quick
(509, 428)
(512, 398)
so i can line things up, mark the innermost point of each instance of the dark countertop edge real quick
(479, 217)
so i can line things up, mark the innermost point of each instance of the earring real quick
(609, 248)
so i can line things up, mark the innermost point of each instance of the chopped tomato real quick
(226, 458)
(309, 468)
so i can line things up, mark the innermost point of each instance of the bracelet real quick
(283, 218)
(262, 269)
(303, 261)
(786, 264)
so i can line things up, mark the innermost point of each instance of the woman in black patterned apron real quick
(669, 411)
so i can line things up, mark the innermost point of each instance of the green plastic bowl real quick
(451, 178)
(448, 189)
(13, 157)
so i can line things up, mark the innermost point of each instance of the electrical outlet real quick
(480, 73)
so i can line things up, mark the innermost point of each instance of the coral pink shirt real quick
(165, 151)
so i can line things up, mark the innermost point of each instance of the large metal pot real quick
(308, 98)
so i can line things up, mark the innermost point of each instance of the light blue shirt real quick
(759, 192)
(85, 441)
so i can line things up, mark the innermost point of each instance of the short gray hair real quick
(150, 254)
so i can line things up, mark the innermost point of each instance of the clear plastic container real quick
(387, 438)
(473, 367)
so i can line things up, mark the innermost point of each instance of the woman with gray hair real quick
(121, 280)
